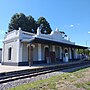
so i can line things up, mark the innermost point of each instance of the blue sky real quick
(70, 16)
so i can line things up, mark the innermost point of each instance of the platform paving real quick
(6, 68)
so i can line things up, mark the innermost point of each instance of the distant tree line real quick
(81, 51)
(28, 24)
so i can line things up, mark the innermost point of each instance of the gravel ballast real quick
(18, 82)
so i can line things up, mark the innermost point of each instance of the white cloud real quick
(1, 40)
(78, 24)
(2, 32)
(89, 32)
(71, 25)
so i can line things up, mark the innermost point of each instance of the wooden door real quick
(30, 55)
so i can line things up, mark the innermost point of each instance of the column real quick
(70, 53)
(39, 52)
(18, 50)
(3, 53)
(29, 55)
(75, 56)
(60, 52)
(76, 53)
(53, 48)
(21, 47)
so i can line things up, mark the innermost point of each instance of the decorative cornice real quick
(11, 40)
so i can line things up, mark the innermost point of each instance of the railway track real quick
(8, 77)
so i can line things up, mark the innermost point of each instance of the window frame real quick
(9, 53)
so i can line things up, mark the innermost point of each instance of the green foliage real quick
(63, 80)
(46, 29)
(81, 51)
(85, 85)
(18, 20)
(28, 24)
(31, 25)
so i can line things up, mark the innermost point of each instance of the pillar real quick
(21, 47)
(39, 52)
(75, 54)
(70, 57)
(53, 48)
(3, 53)
(60, 52)
(68, 53)
(18, 50)
(29, 53)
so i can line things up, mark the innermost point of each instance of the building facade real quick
(0, 55)
(24, 48)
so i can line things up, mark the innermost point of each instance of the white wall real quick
(13, 45)
(25, 52)
(43, 51)
(55, 36)
(20, 51)
(0, 55)
(39, 52)
(11, 35)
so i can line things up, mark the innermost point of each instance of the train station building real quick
(24, 48)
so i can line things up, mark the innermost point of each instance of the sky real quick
(70, 16)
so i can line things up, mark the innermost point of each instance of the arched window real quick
(9, 53)
(66, 51)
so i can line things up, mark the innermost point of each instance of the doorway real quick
(72, 54)
(66, 51)
(46, 54)
(30, 55)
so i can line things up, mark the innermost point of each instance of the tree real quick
(46, 29)
(28, 24)
(31, 25)
(18, 20)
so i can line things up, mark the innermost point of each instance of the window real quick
(9, 53)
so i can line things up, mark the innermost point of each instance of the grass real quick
(78, 80)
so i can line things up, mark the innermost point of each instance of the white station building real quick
(24, 48)
(0, 55)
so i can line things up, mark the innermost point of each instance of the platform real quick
(5, 68)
